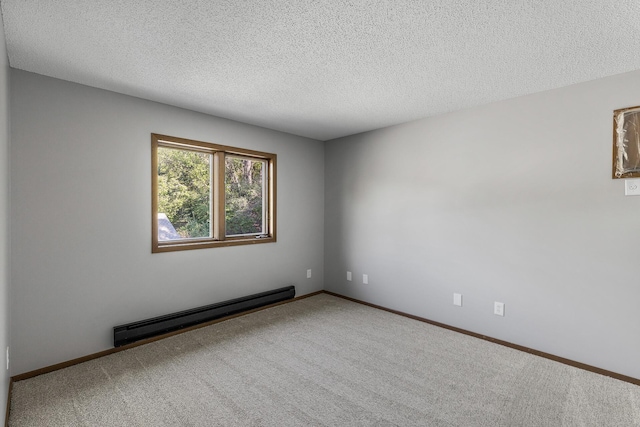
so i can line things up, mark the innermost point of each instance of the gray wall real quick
(4, 218)
(81, 219)
(510, 202)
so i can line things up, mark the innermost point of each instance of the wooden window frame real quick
(219, 238)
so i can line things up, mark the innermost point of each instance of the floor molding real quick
(6, 416)
(545, 355)
(107, 352)
(99, 354)
(539, 353)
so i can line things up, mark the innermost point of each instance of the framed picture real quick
(626, 143)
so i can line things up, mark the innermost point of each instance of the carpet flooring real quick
(323, 361)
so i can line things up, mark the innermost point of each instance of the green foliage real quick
(184, 192)
(243, 187)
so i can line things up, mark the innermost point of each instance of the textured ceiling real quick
(324, 68)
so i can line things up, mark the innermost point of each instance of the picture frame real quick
(626, 143)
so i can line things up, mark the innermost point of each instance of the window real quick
(207, 195)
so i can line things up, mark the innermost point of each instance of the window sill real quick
(185, 246)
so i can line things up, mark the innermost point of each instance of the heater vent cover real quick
(131, 332)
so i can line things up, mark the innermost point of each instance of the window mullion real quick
(218, 196)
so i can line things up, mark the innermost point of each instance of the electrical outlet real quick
(632, 187)
(457, 300)
(309, 274)
(498, 308)
(365, 279)
(348, 275)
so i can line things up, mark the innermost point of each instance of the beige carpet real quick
(323, 361)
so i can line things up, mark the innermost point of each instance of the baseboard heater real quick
(131, 332)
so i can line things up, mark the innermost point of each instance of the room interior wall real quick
(510, 202)
(81, 210)
(4, 217)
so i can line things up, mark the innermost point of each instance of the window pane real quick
(184, 194)
(245, 195)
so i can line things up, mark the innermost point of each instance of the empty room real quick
(319, 213)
